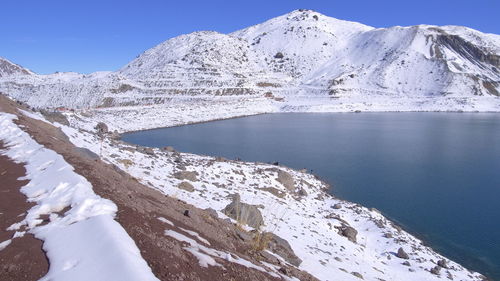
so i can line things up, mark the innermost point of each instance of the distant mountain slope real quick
(417, 60)
(197, 63)
(8, 68)
(302, 61)
(301, 41)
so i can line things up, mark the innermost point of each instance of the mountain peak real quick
(303, 14)
(9, 68)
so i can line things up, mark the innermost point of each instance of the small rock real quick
(337, 206)
(101, 128)
(274, 191)
(243, 235)
(186, 175)
(435, 270)
(302, 192)
(442, 263)
(284, 270)
(402, 254)
(148, 151)
(286, 180)
(357, 274)
(115, 135)
(349, 232)
(186, 213)
(212, 212)
(220, 159)
(168, 149)
(379, 223)
(186, 186)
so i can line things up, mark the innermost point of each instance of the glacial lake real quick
(436, 174)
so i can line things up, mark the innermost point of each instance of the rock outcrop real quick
(402, 254)
(282, 248)
(348, 231)
(244, 213)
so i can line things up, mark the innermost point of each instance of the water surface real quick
(437, 174)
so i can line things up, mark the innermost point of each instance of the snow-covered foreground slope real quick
(301, 212)
(82, 241)
(301, 61)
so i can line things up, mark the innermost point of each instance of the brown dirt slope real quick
(139, 207)
(23, 259)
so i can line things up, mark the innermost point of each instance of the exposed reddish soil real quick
(23, 259)
(139, 208)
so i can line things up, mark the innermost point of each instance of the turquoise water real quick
(436, 174)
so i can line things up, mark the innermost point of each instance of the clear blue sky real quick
(85, 36)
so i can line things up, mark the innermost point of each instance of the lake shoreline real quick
(418, 234)
(304, 112)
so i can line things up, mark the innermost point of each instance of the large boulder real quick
(244, 213)
(282, 248)
(402, 254)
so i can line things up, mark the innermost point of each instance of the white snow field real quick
(84, 242)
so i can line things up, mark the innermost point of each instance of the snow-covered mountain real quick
(301, 61)
(8, 68)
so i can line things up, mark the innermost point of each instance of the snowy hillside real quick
(301, 61)
(8, 68)
(300, 42)
(335, 239)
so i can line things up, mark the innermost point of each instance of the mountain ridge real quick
(8, 68)
(293, 58)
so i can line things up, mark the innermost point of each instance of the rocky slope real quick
(329, 238)
(8, 68)
(92, 216)
(301, 61)
(202, 218)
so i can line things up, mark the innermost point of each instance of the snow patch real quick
(84, 242)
